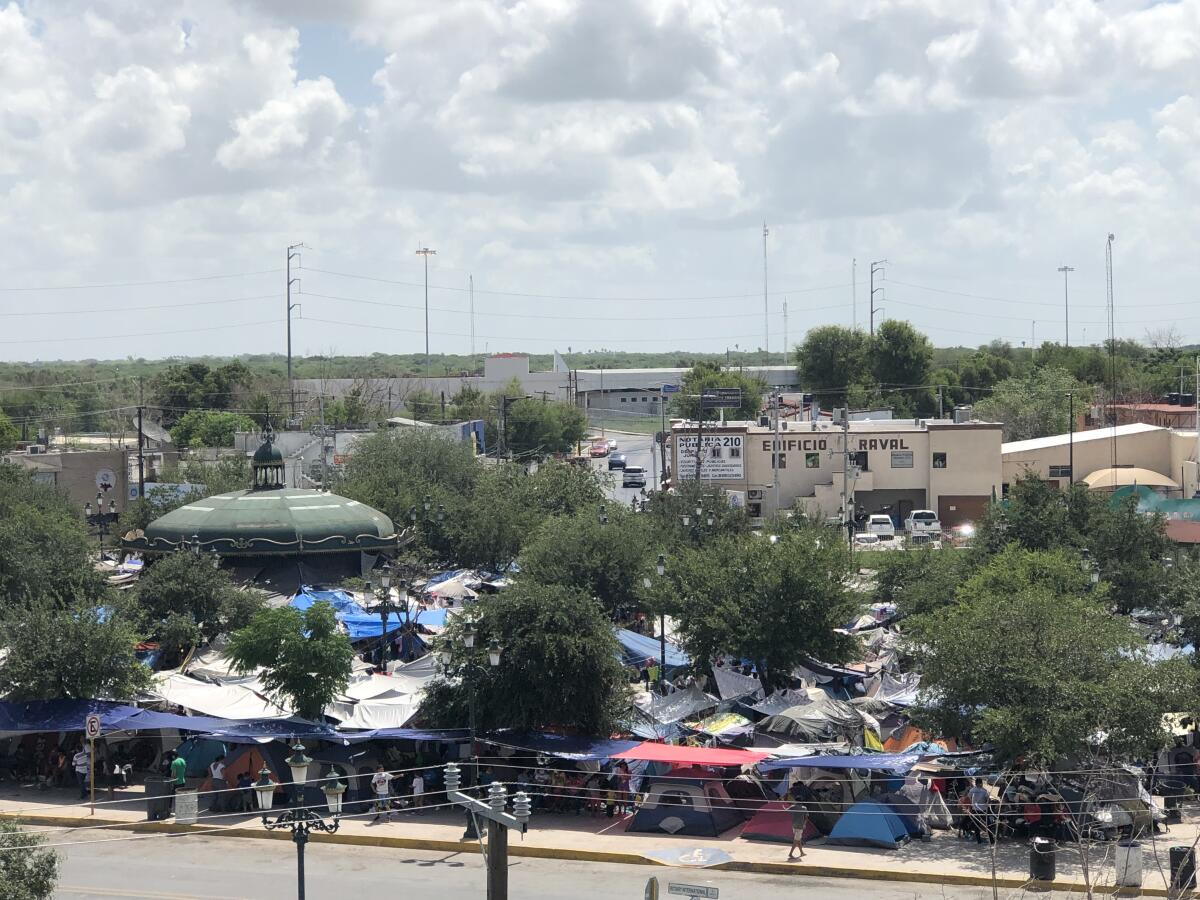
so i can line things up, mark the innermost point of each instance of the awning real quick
(575, 747)
(649, 751)
(884, 762)
(1110, 479)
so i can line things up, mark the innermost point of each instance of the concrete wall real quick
(1145, 449)
(80, 473)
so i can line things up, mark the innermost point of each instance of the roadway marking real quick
(110, 892)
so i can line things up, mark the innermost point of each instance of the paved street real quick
(638, 452)
(191, 868)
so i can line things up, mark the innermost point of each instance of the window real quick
(1060, 471)
(812, 460)
(860, 459)
(714, 452)
(939, 460)
(644, 399)
(1004, 489)
(902, 459)
(624, 399)
(779, 461)
(735, 452)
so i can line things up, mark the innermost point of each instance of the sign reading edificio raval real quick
(720, 460)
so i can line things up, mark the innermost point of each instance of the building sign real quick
(720, 398)
(882, 444)
(106, 480)
(805, 444)
(720, 459)
(902, 459)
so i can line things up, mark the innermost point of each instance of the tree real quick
(921, 581)
(1034, 405)
(666, 512)
(206, 428)
(194, 385)
(900, 355)
(606, 561)
(776, 604)
(831, 359)
(28, 871)
(559, 665)
(78, 652)
(198, 600)
(539, 428)
(486, 528)
(9, 435)
(306, 660)
(1031, 661)
(706, 376)
(422, 405)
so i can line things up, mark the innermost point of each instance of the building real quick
(1148, 455)
(884, 466)
(1164, 414)
(81, 473)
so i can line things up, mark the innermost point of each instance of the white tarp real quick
(226, 701)
(389, 712)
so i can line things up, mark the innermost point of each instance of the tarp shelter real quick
(869, 823)
(821, 718)
(685, 801)
(779, 701)
(723, 726)
(666, 709)
(637, 648)
(572, 747)
(899, 763)
(773, 822)
(680, 755)
(223, 701)
(898, 691)
(733, 685)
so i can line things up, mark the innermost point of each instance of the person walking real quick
(216, 772)
(381, 784)
(802, 797)
(418, 790)
(978, 798)
(80, 763)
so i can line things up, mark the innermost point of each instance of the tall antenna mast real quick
(1112, 350)
(785, 333)
(766, 312)
(854, 293)
(471, 285)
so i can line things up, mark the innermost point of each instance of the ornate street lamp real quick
(468, 666)
(99, 518)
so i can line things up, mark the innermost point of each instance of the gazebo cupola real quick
(267, 464)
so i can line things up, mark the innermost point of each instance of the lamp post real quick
(602, 516)
(465, 661)
(99, 518)
(382, 588)
(661, 568)
(299, 819)
(499, 823)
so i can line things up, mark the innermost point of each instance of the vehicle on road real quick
(599, 450)
(923, 521)
(634, 476)
(881, 524)
(868, 541)
(612, 444)
(616, 461)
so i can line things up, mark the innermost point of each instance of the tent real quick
(733, 685)
(637, 648)
(685, 801)
(667, 709)
(649, 751)
(821, 718)
(773, 822)
(562, 746)
(899, 763)
(869, 823)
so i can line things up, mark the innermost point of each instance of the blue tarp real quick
(563, 746)
(869, 824)
(637, 648)
(360, 624)
(885, 762)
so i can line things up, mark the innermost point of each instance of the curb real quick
(598, 856)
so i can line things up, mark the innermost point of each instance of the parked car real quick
(881, 524)
(616, 461)
(612, 444)
(923, 521)
(634, 476)
(922, 541)
(599, 450)
(867, 541)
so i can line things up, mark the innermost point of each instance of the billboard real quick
(721, 457)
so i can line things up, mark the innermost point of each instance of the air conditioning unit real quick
(34, 449)
(962, 415)
(754, 494)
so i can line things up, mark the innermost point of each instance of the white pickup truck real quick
(923, 521)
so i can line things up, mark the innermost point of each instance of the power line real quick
(115, 337)
(121, 284)
(102, 309)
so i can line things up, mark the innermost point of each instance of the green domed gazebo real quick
(269, 520)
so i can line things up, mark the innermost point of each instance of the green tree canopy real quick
(78, 652)
(706, 376)
(197, 599)
(558, 668)
(1032, 661)
(919, 581)
(666, 513)
(541, 427)
(194, 385)
(900, 355)
(831, 359)
(208, 428)
(28, 870)
(776, 603)
(306, 660)
(1034, 405)
(9, 435)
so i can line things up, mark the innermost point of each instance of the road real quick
(173, 867)
(637, 450)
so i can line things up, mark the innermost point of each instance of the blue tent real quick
(637, 648)
(869, 823)
(360, 624)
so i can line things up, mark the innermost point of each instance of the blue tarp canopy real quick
(637, 648)
(360, 624)
(563, 746)
(884, 762)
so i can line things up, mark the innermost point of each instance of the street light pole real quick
(661, 569)
(499, 823)
(426, 252)
(1066, 306)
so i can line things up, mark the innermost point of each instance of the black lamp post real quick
(468, 666)
(298, 819)
(661, 568)
(382, 589)
(99, 518)
(603, 515)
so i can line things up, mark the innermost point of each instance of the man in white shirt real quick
(381, 783)
(217, 772)
(979, 798)
(418, 790)
(80, 762)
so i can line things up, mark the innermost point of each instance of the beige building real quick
(1145, 454)
(81, 473)
(894, 466)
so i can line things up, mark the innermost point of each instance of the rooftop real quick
(1062, 440)
(825, 426)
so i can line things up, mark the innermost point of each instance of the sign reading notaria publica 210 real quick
(721, 459)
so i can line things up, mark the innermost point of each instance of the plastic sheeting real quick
(896, 690)
(679, 705)
(690, 756)
(821, 717)
(225, 701)
(580, 749)
(900, 763)
(637, 648)
(779, 701)
(733, 685)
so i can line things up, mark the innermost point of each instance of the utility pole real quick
(141, 440)
(876, 266)
(1112, 350)
(854, 293)
(1033, 341)
(778, 399)
(471, 291)
(1066, 306)
(699, 432)
(766, 312)
(426, 252)
(293, 252)
(941, 409)
(786, 351)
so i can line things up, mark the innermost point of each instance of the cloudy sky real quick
(601, 168)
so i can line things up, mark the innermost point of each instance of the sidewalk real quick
(944, 860)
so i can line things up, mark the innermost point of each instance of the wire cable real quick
(123, 284)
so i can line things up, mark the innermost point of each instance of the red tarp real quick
(691, 756)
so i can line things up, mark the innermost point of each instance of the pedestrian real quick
(802, 796)
(978, 798)
(381, 783)
(216, 771)
(178, 773)
(418, 790)
(80, 762)
(245, 795)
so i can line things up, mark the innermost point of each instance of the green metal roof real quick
(284, 521)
